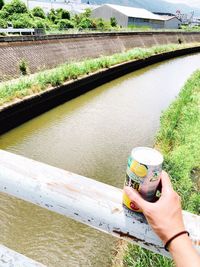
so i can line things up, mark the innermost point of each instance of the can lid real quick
(147, 156)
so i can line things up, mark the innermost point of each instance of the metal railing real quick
(10, 258)
(101, 204)
(19, 31)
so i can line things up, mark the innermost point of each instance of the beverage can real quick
(143, 174)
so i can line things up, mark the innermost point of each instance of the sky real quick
(195, 3)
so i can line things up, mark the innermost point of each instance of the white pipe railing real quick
(82, 199)
(20, 31)
(10, 258)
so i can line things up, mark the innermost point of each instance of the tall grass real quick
(35, 83)
(178, 140)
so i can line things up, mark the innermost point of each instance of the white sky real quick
(195, 3)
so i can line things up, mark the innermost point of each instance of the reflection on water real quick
(91, 135)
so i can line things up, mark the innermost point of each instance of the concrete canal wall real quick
(43, 52)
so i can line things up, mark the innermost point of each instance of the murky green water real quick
(91, 135)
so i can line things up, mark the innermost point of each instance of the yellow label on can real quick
(129, 204)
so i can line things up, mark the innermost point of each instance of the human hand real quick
(164, 215)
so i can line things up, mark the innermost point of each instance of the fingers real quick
(166, 183)
(135, 197)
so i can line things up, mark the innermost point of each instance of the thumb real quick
(135, 197)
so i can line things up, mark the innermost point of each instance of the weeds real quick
(178, 140)
(23, 67)
(71, 71)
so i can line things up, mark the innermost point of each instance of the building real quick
(127, 16)
(170, 20)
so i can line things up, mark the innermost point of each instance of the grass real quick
(35, 83)
(178, 140)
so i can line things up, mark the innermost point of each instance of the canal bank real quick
(91, 135)
(178, 140)
(48, 51)
(22, 110)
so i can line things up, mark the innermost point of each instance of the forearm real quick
(183, 252)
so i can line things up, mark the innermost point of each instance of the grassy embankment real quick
(178, 139)
(36, 83)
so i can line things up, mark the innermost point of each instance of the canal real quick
(91, 135)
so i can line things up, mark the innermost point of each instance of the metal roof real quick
(169, 17)
(135, 12)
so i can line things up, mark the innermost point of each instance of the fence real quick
(61, 191)
(19, 31)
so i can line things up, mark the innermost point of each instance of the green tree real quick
(65, 24)
(113, 22)
(87, 13)
(38, 12)
(3, 14)
(102, 24)
(22, 21)
(86, 23)
(40, 23)
(65, 14)
(62, 14)
(3, 23)
(59, 12)
(76, 19)
(15, 6)
(52, 15)
(1, 4)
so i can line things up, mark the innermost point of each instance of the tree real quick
(65, 24)
(38, 12)
(87, 13)
(22, 21)
(113, 22)
(3, 23)
(15, 6)
(3, 14)
(52, 15)
(86, 23)
(1, 4)
(59, 12)
(65, 14)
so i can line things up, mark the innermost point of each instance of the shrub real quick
(58, 13)
(15, 6)
(65, 24)
(87, 13)
(86, 23)
(113, 22)
(38, 12)
(3, 23)
(1, 4)
(65, 14)
(52, 15)
(40, 23)
(76, 19)
(3, 14)
(23, 67)
(102, 24)
(22, 21)
(180, 41)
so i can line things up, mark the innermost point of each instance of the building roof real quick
(135, 12)
(169, 17)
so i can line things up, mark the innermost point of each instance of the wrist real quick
(167, 234)
(180, 243)
(174, 237)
